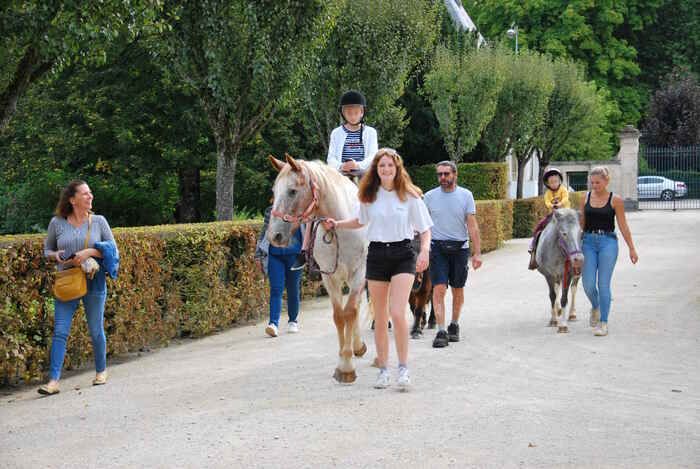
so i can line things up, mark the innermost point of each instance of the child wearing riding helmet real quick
(351, 149)
(353, 144)
(555, 196)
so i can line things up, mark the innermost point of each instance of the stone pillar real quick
(629, 162)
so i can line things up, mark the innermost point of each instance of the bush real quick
(174, 281)
(495, 219)
(487, 181)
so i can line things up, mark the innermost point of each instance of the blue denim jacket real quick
(110, 258)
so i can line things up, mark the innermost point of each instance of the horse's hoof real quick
(552, 323)
(573, 317)
(563, 329)
(362, 350)
(345, 377)
(431, 324)
(416, 335)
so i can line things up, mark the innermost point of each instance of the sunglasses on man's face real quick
(440, 174)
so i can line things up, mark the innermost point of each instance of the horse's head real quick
(295, 198)
(568, 230)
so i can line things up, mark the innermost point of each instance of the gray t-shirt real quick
(449, 212)
(64, 236)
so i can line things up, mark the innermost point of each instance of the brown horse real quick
(421, 294)
(307, 190)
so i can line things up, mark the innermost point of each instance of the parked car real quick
(659, 187)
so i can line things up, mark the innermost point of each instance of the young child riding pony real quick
(555, 196)
(351, 149)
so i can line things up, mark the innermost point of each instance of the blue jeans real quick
(94, 303)
(600, 255)
(280, 276)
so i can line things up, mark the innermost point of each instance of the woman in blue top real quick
(65, 244)
(276, 262)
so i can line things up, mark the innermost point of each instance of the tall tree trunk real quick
(29, 69)
(226, 158)
(225, 176)
(544, 161)
(187, 210)
(521, 177)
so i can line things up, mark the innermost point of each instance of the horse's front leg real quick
(563, 300)
(552, 301)
(572, 306)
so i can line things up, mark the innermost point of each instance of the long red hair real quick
(370, 182)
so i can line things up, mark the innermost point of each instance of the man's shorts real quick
(384, 260)
(449, 263)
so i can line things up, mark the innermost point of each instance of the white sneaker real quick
(382, 379)
(404, 381)
(601, 330)
(271, 330)
(293, 327)
(594, 317)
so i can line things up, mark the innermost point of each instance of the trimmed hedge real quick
(495, 219)
(487, 181)
(174, 281)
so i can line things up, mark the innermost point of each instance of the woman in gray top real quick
(65, 244)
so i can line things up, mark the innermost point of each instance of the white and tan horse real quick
(305, 190)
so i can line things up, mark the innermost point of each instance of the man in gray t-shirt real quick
(455, 233)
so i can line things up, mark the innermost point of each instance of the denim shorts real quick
(384, 260)
(448, 266)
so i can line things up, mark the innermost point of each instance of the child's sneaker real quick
(271, 330)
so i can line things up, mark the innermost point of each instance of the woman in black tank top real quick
(599, 210)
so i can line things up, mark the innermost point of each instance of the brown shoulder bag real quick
(71, 284)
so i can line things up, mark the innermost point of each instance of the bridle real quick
(569, 255)
(305, 216)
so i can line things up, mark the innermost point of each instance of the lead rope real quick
(328, 238)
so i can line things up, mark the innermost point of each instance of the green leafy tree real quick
(43, 35)
(241, 59)
(575, 120)
(674, 112)
(596, 34)
(373, 47)
(520, 112)
(136, 138)
(463, 89)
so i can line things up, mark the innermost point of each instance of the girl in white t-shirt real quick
(392, 207)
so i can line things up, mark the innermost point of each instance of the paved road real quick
(512, 393)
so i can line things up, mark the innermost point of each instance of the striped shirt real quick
(64, 236)
(353, 148)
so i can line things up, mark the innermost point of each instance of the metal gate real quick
(669, 177)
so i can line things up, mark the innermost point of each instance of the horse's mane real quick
(332, 185)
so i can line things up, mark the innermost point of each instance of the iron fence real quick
(669, 177)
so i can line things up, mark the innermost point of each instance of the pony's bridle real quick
(569, 255)
(304, 217)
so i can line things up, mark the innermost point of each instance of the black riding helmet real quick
(353, 98)
(350, 98)
(550, 172)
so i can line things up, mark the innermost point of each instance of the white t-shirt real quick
(391, 220)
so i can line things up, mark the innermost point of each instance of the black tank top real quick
(599, 219)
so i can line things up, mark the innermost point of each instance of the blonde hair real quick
(601, 171)
(370, 182)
